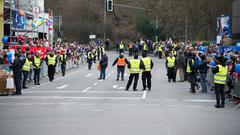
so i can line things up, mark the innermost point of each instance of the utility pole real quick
(156, 29)
(104, 20)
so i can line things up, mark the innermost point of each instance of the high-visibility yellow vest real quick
(90, 55)
(61, 58)
(51, 60)
(174, 53)
(103, 50)
(221, 76)
(27, 65)
(145, 48)
(188, 66)
(171, 61)
(135, 66)
(37, 61)
(147, 63)
(160, 48)
(121, 46)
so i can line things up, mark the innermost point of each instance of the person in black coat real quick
(103, 67)
(203, 68)
(17, 73)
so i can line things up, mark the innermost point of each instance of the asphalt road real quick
(79, 104)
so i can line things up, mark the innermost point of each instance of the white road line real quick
(130, 104)
(88, 75)
(199, 100)
(63, 86)
(45, 103)
(74, 98)
(67, 103)
(144, 94)
(194, 106)
(109, 104)
(115, 86)
(121, 88)
(100, 80)
(88, 88)
(151, 104)
(117, 92)
(95, 84)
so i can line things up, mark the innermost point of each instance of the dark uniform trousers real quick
(63, 69)
(36, 75)
(18, 81)
(219, 91)
(51, 72)
(120, 70)
(131, 77)
(146, 79)
(192, 81)
(89, 64)
(160, 54)
(25, 76)
(171, 74)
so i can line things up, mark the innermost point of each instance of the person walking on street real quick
(51, 61)
(121, 47)
(130, 48)
(103, 67)
(220, 78)
(146, 74)
(121, 62)
(63, 62)
(17, 73)
(37, 63)
(89, 59)
(145, 48)
(25, 70)
(203, 68)
(135, 66)
(171, 68)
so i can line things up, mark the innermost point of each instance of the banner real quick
(224, 26)
(18, 21)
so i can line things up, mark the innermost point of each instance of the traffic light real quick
(109, 5)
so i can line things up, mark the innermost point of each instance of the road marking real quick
(109, 104)
(194, 106)
(88, 88)
(74, 98)
(45, 103)
(115, 86)
(117, 92)
(121, 88)
(144, 94)
(100, 80)
(88, 75)
(67, 103)
(88, 104)
(199, 100)
(95, 84)
(130, 104)
(173, 105)
(151, 104)
(62, 87)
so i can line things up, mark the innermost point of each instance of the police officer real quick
(146, 73)
(37, 62)
(121, 62)
(191, 72)
(51, 61)
(89, 59)
(121, 47)
(145, 48)
(171, 68)
(17, 73)
(94, 52)
(26, 69)
(99, 52)
(220, 77)
(135, 66)
(63, 62)
(160, 51)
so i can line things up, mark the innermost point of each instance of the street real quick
(79, 104)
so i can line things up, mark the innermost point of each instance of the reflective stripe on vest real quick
(135, 66)
(90, 55)
(27, 65)
(188, 66)
(37, 62)
(121, 46)
(121, 62)
(147, 63)
(171, 61)
(221, 76)
(51, 60)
